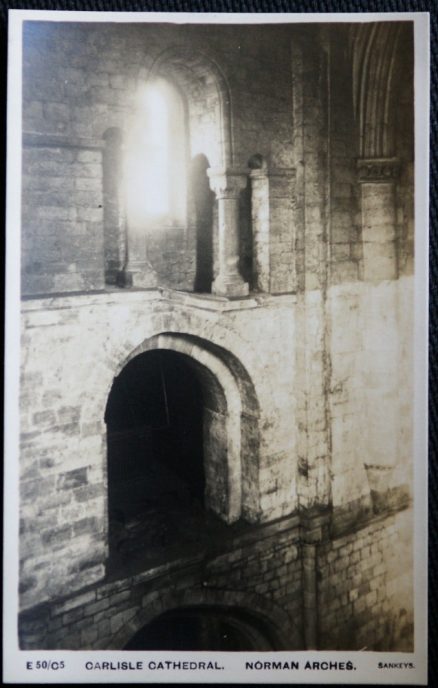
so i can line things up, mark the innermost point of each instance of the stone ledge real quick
(208, 302)
(60, 141)
(359, 514)
(222, 303)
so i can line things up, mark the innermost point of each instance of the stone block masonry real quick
(63, 492)
(64, 529)
(63, 434)
(62, 216)
(303, 357)
(365, 589)
(260, 570)
(363, 595)
(77, 90)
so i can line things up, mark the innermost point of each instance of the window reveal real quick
(155, 159)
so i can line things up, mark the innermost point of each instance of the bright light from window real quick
(147, 183)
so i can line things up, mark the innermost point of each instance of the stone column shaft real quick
(261, 227)
(377, 179)
(274, 232)
(227, 185)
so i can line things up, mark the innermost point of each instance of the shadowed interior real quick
(211, 628)
(155, 454)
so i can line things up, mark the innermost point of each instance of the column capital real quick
(377, 170)
(226, 182)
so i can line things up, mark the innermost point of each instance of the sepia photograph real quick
(217, 291)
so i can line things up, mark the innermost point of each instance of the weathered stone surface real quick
(361, 588)
(72, 479)
(304, 396)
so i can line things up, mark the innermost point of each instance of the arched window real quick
(155, 158)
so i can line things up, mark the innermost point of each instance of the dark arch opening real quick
(156, 481)
(203, 202)
(204, 627)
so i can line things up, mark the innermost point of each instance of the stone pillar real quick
(227, 185)
(315, 530)
(274, 237)
(377, 178)
(260, 219)
(380, 310)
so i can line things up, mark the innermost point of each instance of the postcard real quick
(216, 348)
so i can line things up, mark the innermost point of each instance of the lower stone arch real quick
(268, 619)
(242, 419)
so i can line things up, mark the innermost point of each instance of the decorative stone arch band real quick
(230, 423)
(277, 623)
(195, 73)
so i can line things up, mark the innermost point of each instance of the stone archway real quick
(222, 420)
(221, 349)
(226, 365)
(229, 429)
(265, 625)
(204, 627)
(200, 78)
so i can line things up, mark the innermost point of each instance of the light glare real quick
(147, 155)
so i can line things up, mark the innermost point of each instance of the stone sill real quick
(209, 302)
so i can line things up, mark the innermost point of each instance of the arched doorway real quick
(173, 452)
(213, 628)
(156, 478)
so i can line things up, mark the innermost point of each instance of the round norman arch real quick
(272, 625)
(230, 421)
(229, 348)
(197, 74)
(375, 67)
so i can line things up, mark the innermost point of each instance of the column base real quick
(142, 279)
(230, 286)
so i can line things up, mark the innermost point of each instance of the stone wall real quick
(62, 246)
(365, 587)
(300, 123)
(363, 598)
(317, 385)
(80, 82)
(260, 571)
(345, 240)
(371, 383)
(66, 379)
(354, 356)
(63, 545)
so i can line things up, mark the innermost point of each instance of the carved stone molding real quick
(281, 172)
(227, 183)
(377, 170)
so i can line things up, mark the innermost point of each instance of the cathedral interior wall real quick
(312, 448)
